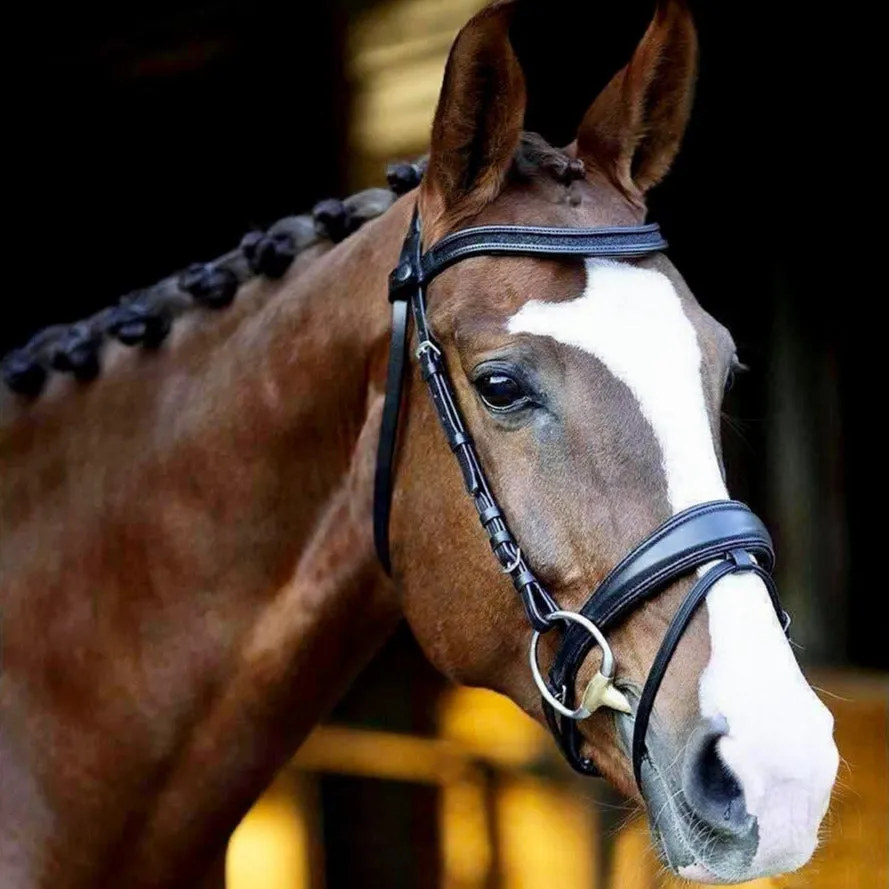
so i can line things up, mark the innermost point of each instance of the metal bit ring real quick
(607, 667)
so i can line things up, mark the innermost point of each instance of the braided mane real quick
(144, 317)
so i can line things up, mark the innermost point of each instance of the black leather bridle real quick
(715, 539)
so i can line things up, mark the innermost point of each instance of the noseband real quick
(713, 539)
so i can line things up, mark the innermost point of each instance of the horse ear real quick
(478, 121)
(633, 129)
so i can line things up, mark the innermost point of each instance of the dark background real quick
(154, 134)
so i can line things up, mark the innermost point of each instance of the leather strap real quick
(530, 240)
(689, 539)
(398, 296)
(389, 431)
(738, 560)
(537, 602)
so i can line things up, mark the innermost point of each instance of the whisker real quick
(737, 427)
(832, 694)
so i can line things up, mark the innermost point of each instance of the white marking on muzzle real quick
(780, 742)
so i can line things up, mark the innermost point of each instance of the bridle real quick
(715, 539)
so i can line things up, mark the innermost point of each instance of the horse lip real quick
(673, 824)
(676, 830)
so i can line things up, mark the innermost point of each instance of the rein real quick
(719, 538)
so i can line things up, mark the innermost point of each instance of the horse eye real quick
(500, 392)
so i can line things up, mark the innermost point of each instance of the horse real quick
(189, 571)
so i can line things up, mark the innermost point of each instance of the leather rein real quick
(715, 539)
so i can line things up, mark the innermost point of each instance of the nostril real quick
(717, 783)
(710, 788)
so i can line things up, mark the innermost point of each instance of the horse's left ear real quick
(478, 121)
(634, 128)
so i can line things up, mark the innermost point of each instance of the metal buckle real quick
(427, 346)
(600, 691)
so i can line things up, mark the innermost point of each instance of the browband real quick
(529, 240)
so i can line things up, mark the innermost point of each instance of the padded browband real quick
(530, 240)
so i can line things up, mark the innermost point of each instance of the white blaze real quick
(780, 745)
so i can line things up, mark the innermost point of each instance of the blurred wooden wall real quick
(506, 813)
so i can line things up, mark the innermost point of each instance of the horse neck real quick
(188, 556)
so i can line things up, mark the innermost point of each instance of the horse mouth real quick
(687, 845)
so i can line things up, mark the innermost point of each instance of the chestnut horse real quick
(188, 568)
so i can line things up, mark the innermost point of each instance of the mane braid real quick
(144, 317)
(536, 154)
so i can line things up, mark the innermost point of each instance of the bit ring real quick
(607, 668)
